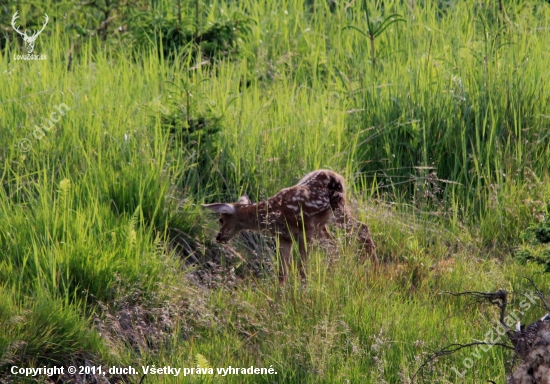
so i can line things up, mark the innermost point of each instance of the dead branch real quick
(539, 293)
(499, 298)
(452, 348)
(531, 343)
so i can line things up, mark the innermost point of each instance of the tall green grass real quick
(447, 132)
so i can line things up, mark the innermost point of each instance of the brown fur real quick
(299, 213)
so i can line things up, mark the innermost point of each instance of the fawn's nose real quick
(220, 238)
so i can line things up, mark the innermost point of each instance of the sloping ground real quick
(438, 123)
(534, 351)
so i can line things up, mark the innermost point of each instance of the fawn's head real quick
(230, 223)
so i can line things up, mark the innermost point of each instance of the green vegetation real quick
(437, 114)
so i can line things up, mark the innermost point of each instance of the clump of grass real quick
(374, 29)
(536, 249)
(219, 40)
(194, 129)
(449, 136)
(45, 331)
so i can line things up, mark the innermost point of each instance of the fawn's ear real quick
(220, 208)
(244, 200)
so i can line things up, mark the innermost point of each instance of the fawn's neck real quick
(253, 216)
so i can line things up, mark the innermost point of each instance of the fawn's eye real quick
(221, 221)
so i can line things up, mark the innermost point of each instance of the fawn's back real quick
(307, 205)
(295, 214)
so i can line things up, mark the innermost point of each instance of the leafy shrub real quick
(536, 255)
(221, 38)
(536, 249)
(193, 128)
(172, 36)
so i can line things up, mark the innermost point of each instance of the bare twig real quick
(523, 339)
(452, 348)
(539, 293)
(500, 298)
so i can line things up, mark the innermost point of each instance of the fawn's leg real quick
(304, 248)
(354, 227)
(324, 234)
(327, 242)
(285, 247)
(366, 239)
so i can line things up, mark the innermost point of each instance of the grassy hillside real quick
(436, 112)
